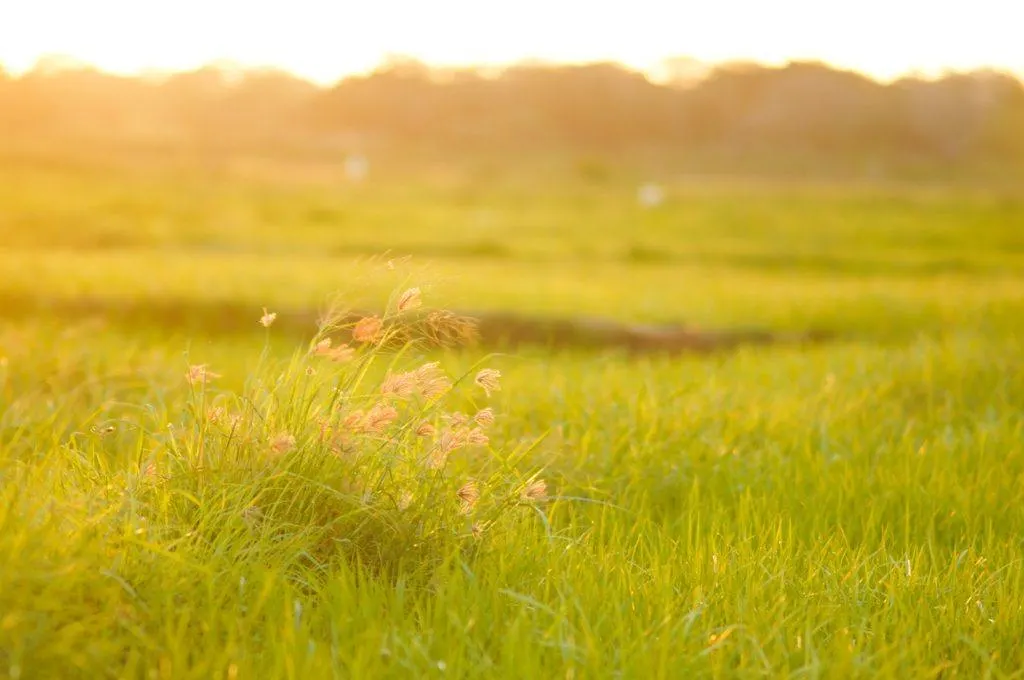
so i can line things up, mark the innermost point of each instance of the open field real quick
(849, 509)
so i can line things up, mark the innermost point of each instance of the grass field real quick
(851, 509)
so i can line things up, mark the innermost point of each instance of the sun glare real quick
(323, 40)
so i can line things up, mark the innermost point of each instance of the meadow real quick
(847, 509)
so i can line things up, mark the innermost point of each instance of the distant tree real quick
(732, 112)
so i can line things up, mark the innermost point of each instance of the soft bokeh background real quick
(743, 173)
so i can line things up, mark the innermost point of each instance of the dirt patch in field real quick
(501, 330)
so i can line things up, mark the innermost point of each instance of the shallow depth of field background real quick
(845, 508)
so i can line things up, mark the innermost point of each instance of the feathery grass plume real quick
(198, 374)
(431, 381)
(476, 437)
(409, 300)
(484, 417)
(379, 418)
(447, 329)
(268, 318)
(376, 484)
(468, 494)
(488, 379)
(535, 491)
(353, 422)
(282, 443)
(342, 353)
(448, 441)
(368, 329)
(399, 385)
(457, 419)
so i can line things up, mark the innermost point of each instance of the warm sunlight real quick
(324, 40)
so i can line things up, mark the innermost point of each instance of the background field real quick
(847, 509)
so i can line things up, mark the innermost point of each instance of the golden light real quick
(324, 40)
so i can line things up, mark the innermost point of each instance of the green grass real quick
(846, 510)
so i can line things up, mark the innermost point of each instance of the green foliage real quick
(846, 510)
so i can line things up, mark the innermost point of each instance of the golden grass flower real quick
(354, 420)
(425, 429)
(437, 458)
(468, 494)
(435, 387)
(400, 385)
(405, 500)
(476, 437)
(282, 443)
(535, 491)
(448, 329)
(457, 419)
(368, 329)
(268, 318)
(341, 353)
(410, 299)
(431, 380)
(379, 418)
(449, 440)
(198, 374)
(488, 379)
(484, 417)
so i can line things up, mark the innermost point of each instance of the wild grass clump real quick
(350, 450)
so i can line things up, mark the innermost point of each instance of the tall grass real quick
(347, 454)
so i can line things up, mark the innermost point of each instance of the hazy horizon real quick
(324, 42)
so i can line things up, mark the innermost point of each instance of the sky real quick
(324, 40)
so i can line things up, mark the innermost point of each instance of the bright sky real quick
(325, 39)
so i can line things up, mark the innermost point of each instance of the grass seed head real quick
(198, 374)
(535, 491)
(368, 329)
(484, 417)
(431, 381)
(489, 380)
(282, 443)
(476, 437)
(399, 385)
(379, 418)
(457, 419)
(410, 299)
(341, 353)
(468, 494)
(268, 318)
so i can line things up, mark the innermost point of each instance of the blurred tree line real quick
(726, 115)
